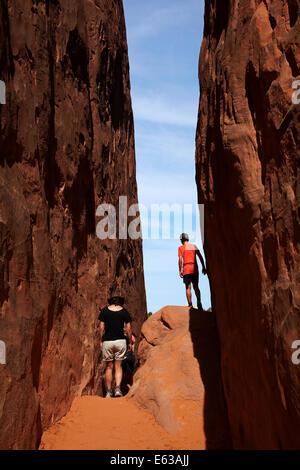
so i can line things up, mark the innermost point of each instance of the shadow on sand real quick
(205, 340)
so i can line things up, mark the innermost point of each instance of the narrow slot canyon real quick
(223, 378)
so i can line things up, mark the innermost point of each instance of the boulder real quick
(178, 379)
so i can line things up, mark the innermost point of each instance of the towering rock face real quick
(248, 155)
(66, 146)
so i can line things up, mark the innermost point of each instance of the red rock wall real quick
(67, 144)
(248, 177)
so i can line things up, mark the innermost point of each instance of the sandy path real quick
(96, 423)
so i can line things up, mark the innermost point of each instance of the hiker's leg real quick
(188, 293)
(197, 291)
(109, 374)
(198, 295)
(118, 373)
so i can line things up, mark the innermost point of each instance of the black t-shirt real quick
(114, 323)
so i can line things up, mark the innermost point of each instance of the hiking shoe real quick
(199, 305)
(109, 394)
(118, 392)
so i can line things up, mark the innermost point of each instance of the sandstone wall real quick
(179, 379)
(248, 177)
(66, 145)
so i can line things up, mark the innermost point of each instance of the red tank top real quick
(188, 253)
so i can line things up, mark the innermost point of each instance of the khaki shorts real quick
(114, 350)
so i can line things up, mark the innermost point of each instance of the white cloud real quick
(158, 109)
(156, 20)
(168, 145)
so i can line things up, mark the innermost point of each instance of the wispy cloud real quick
(159, 109)
(155, 21)
(159, 146)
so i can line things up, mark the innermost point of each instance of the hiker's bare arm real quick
(180, 263)
(204, 270)
(102, 326)
(129, 335)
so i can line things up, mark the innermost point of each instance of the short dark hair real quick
(116, 301)
(184, 237)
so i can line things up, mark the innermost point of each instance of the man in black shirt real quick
(113, 342)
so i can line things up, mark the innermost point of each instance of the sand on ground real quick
(96, 423)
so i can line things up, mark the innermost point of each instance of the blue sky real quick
(164, 41)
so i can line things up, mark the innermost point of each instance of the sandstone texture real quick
(248, 177)
(66, 146)
(178, 380)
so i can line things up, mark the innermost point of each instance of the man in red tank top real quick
(188, 268)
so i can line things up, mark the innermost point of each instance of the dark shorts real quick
(191, 278)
